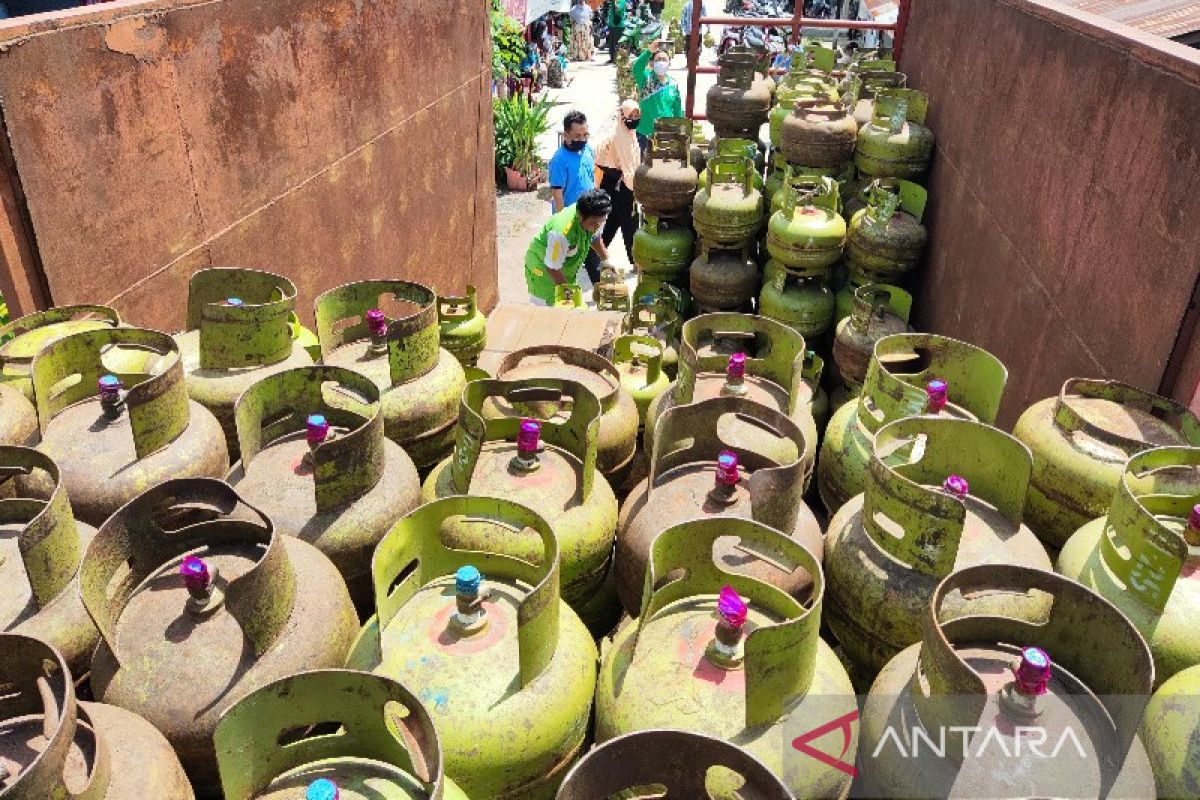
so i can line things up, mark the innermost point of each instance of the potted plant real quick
(518, 126)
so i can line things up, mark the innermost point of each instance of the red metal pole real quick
(901, 29)
(693, 59)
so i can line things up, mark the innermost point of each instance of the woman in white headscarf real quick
(618, 158)
(581, 31)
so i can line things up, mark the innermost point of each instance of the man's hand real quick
(558, 198)
(557, 276)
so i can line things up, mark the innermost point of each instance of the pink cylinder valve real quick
(196, 576)
(956, 486)
(936, 395)
(376, 322)
(727, 469)
(732, 608)
(1192, 534)
(735, 371)
(529, 437)
(1032, 674)
(316, 429)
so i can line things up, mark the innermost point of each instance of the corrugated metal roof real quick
(1168, 18)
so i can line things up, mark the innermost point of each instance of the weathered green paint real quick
(30, 333)
(1081, 440)
(639, 360)
(814, 368)
(161, 433)
(729, 210)
(1136, 556)
(737, 147)
(568, 295)
(420, 380)
(723, 278)
(41, 545)
(659, 318)
(611, 293)
(886, 240)
(879, 310)
(739, 102)
(225, 349)
(462, 327)
(358, 484)
(1101, 674)
(565, 489)
(886, 550)
(386, 748)
(895, 143)
(56, 748)
(285, 608)
(662, 248)
(804, 304)
(665, 182)
(774, 374)
(510, 703)
(305, 337)
(1171, 733)
(655, 673)
(18, 417)
(901, 367)
(688, 440)
(806, 234)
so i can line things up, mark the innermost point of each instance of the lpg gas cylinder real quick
(568, 295)
(462, 327)
(679, 301)
(420, 380)
(1144, 556)
(818, 133)
(910, 374)
(729, 210)
(723, 279)
(238, 331)
(743, 356)
(506, 668)
(814, 367)
(738, 147)
(557, 477)
(738, 103)
(879, 310)
(18, 417)
(696, 472)
(681, 762)
(662, 247)
(1005, 706)
(720, 653)
(617, 438)
(639, 360)
(653, 315)
(1171, 734)
(886, 239)
(941, 494)
(41, 545)
(867, 80)
(113, 435)
(610, 293)
(806, 234)
(1081, 441)
(316, 463)
(52, 746)
(801, 177)
(895, 143)
(199, 602)
(786, 97)
(803, 304)
(23, 338)
(665, 182)
(275, 743)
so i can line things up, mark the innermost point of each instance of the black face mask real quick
(632, 123)
(575, 147)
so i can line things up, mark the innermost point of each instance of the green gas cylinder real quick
(24, 338)
(505, 667)
(806, 234)
(1171, 733)
(941, 494)
(662, 247)
(1081, 440)
(462, 327)
(1144, 555)
(723, 654)
(639, 360)
(909, 374)
(331, 734)
(895, 143)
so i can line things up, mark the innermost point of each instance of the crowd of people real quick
(592, 187)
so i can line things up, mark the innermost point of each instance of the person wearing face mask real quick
(659, 92)
(573, 165)
(617, 160)
(560, 247)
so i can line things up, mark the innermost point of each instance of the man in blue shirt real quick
(573, 172)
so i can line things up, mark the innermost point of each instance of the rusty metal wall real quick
(329, 140)
(1064, 208)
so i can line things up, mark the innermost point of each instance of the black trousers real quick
(621, 217)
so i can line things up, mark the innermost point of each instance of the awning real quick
(536, 8)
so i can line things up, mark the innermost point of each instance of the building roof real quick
(1169, 18)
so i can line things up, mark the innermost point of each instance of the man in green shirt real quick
(616, 26)
(658, 91)
(560, 247)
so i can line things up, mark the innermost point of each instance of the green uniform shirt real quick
(616, 14)
(658, 99)
(562, 244)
